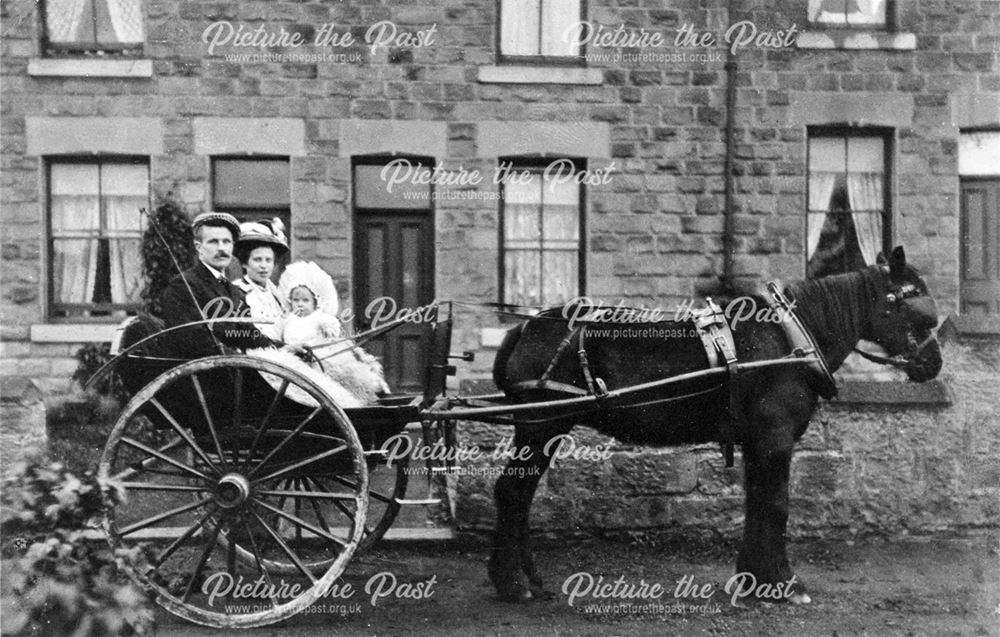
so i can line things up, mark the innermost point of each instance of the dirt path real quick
(911, 588)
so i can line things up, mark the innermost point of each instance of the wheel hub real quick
(232, 491)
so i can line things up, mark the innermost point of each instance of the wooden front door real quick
(980, 289)
(394, 269)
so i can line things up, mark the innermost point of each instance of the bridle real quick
(896, 298)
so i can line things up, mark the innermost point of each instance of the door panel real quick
(394, 258)
(980, 250)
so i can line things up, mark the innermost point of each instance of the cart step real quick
(418, 501)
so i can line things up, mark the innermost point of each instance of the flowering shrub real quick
(55, 582)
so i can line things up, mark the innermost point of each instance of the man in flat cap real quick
(204, 292)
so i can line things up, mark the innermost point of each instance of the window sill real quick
(90, 67)
(933, 393)
(73, 332)
(519, 74)
(856, 40)
(963, 325)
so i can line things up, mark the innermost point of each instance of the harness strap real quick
(801, 341)
(598, 389)
(559, 352)
(553, 385)
(720, 349)
(897, 361)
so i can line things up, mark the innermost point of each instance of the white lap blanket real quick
(350, 382)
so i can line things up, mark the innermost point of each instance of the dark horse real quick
(887, 304)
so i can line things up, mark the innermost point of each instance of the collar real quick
(215, 273)
(266, 287)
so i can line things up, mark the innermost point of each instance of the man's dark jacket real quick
(216, 299)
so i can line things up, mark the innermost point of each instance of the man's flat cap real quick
(220, 219)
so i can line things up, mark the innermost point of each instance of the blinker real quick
(922, 311)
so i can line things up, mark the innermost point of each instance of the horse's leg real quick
(511, 566)
(767, 458)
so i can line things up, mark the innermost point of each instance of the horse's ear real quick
(897, 262)
(880, 259)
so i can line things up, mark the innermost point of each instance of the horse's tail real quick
(503, 356)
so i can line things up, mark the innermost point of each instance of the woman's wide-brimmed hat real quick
(266, 232)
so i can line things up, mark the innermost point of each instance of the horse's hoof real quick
(515, 596)
(800, 599)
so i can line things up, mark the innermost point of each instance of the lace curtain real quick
(87, 21)
(864, 192)
(847, 11)
(541, 242)
(126, 20)
(78, 193)
(76, 227)
(519, 27)
(124, 189)
(820, 192)
(63, 18)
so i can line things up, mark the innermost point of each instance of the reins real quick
(898, 361)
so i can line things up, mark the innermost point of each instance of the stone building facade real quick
(231, 105)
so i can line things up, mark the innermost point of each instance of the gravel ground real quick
(877, 588)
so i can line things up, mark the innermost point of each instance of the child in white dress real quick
(313, 322)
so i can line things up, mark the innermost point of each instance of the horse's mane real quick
(836, 307)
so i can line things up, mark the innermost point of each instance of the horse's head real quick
(903, 319)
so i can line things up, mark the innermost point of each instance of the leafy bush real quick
(91, 357)
(157, 264)
(55, 582)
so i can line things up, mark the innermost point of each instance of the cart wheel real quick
(383, 501)
(208, 457)
(382, 509)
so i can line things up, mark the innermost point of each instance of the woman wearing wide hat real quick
(260, 245)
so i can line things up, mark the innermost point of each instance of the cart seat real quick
(135, 328)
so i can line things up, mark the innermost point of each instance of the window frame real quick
(250, 212)
(381, 159)
(844, 131)
(578, 60)
(537, 165)
(889, 26)
(58, 49)
(52, 306)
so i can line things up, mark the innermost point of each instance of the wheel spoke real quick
(185, 435)
(260, 563)
(329, 495)
(317, 510)
(264, 423)
(343, 509)
(281, 445)
(284, 547)
(294, 519)
(372, 493)
(302, 463)
(231, 555)
(202, 561)
(132, 470)
(155, 486)
(156, 454)
(132, 528)
(208, 419)
(176, 544)
(350, 516)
